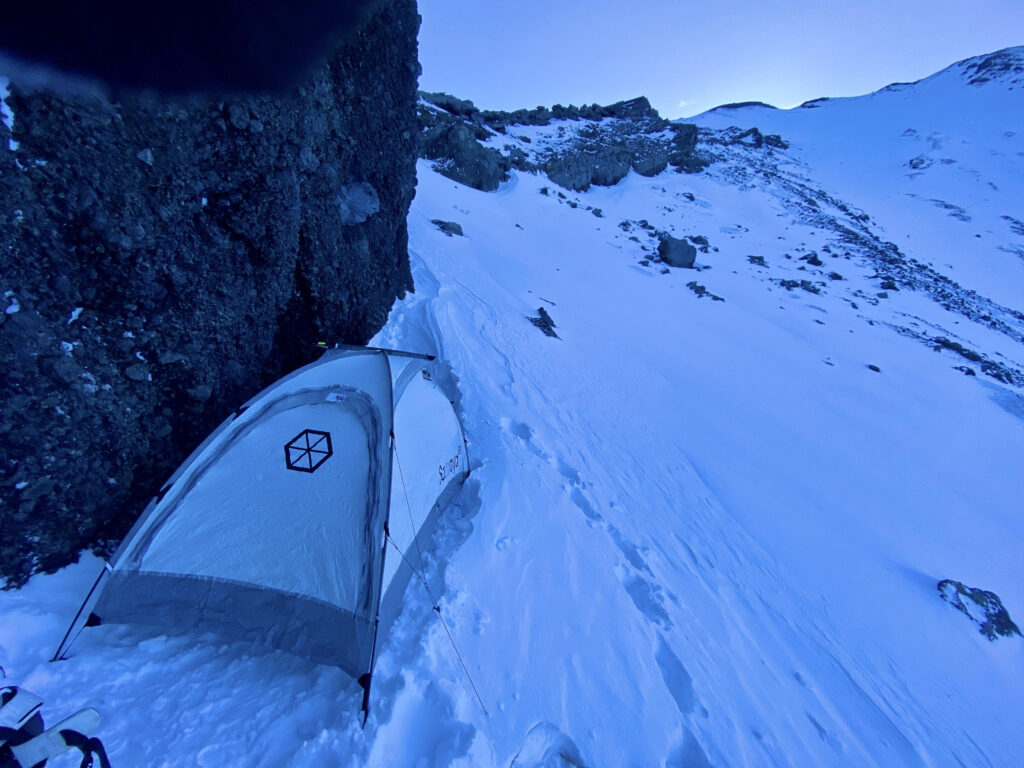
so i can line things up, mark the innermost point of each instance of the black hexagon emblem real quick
(308, 450)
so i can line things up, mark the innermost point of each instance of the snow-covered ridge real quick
(1005, 67)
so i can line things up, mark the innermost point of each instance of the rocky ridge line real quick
(582, 146)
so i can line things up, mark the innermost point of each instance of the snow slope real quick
(937, 163)
(698, 532)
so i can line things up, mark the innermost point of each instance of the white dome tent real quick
(275, 529)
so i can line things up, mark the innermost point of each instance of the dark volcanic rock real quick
(169, 258)
(573, 170)
(451, 104)
(682, 154)
(600, 149)
(544, 322)
(701, 291)
(676, 252)
(635, 109)
(461, 158)
(603, 166)
(982, 607)
(448, 227)
(650, 160)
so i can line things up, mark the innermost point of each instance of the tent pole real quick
(66, 642)
(395, 352)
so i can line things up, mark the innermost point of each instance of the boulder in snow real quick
(982, 607)
(676, 252)
(448, 227)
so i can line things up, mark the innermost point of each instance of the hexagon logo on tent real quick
(308, 450)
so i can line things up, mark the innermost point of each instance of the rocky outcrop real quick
(591, 145)
(982, 607)
(163, 260)
(459, 156)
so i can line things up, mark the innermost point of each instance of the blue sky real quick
(687, 57)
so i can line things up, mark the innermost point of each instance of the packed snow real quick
(697, 532)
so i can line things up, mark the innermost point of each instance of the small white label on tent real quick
(336, 397)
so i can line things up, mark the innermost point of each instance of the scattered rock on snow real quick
(982, 607)
(544, 322)
(701, 291)
(448, 227)
(701, 242)
(806, 285)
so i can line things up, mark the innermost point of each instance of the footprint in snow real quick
(645, 593)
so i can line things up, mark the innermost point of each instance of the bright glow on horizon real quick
(687, 58)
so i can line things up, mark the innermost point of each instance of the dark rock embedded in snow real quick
(701, 291)
(1005, 64)
(676, 252)
(187, 233)
(982, 607)
(806, 285)
(449, 227)
(701, 242)
(544, 322)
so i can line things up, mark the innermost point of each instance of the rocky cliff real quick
(161, 261)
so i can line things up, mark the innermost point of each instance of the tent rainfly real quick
(275, 529)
